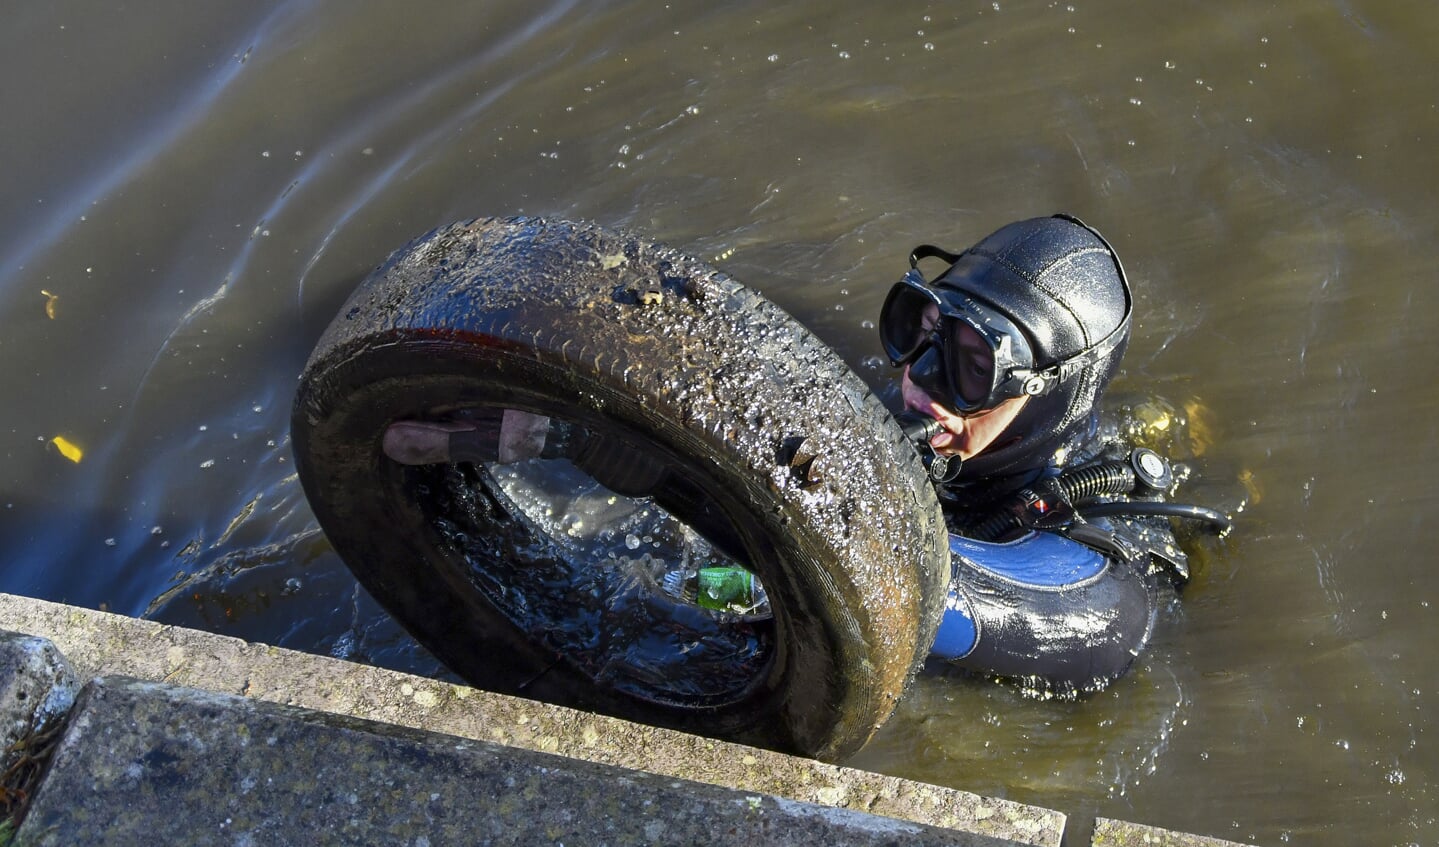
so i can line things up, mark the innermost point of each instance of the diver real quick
(1060, 543)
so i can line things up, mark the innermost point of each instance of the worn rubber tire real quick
(670, 356)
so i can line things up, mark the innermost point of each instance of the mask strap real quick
(929, 251)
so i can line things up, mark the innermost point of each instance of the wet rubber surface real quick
(754, 433)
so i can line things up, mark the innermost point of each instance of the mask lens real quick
(969, 358)
(907, 320)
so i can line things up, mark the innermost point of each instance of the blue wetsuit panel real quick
(1041, 559)
(957, 631)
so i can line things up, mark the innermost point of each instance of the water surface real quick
(193, 188)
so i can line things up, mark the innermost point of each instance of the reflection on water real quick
(172, 243)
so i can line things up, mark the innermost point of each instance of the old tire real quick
(756, 420)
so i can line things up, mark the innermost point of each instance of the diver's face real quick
(965, 436)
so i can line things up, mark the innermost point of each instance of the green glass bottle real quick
(726, 588)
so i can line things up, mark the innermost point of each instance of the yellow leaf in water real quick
(67, 448)
(1201, 426)
(1251, 485)
(50, 305)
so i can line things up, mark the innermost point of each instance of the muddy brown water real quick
(191, 189)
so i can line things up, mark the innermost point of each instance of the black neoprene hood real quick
(1062, 284)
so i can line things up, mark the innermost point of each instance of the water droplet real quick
(928, 46)
(632, 541)
(773, 57)
(208, 463)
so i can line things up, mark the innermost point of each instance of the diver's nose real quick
(927, 372)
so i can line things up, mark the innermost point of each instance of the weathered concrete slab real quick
(147, 763)
(1112, 833)
(37, 687)
(98, 643)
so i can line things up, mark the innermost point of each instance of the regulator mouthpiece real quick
(919, 429)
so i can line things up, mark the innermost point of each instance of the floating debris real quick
(68, 448)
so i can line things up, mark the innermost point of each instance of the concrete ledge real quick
(102, 644)
(147, 763)
(643, 765)
(1112, 833)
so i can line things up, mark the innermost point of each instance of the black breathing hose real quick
(1221, 523)
(1105, 479)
